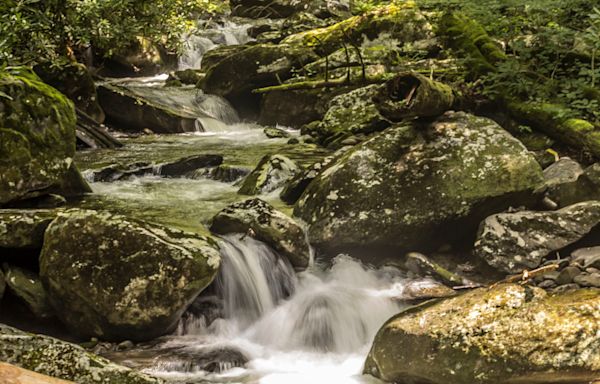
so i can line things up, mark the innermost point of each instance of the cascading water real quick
(208, 36)
(314, 327)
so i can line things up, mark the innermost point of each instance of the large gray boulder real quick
(56, 358)
(506, 334)
(268, 225)
(567, 183)
(117, 278)
(416, 185)
(512, 242)
(37, 135)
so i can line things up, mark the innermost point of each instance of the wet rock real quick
(425, 290)
(566, 288)
(215, 360)
(186, 76)
(349, 114)
(28, 287)
(271, 173)
(133, 112)
(20, 228)
(509, 333)
(586, 258)
(37, 135)
(118, 278)
(512, 242)
(75, 82)
(72, 184)
(215, 56)
(409, 186)
(274, 133)
(226, 173)
(268, 225)
(588, 280)
(63, 360)
(184, 167)
(187, 165)
(547, 284)
(272, 9)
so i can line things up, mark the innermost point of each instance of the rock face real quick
(512, 242)
(37, 135)
(412, 184)
(21, 228)
(271, 173)
(268, 225)
(28, 287)
(118, 278)
(63, 360)
(257, 66)
(507, 334)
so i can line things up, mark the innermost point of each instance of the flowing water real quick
(260, 321)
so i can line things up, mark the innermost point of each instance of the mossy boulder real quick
(350, 114)
(56, 358)
(268, 225)
(75, 82)
(416, 185)
(506, 334)
(118, 278)
(24, 228)
(37, 135)
(267, 8)
(513, 242)
(272, 172)
(27, 286)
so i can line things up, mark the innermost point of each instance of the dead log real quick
(413, 95)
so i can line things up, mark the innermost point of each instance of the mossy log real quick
(557, 122)
(413, 95)
(392, 17)
(468, 37)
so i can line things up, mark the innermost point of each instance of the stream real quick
(260, 321)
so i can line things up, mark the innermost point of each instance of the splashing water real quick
(315, 327)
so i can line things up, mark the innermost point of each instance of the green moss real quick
(38, 134)
(468, 37)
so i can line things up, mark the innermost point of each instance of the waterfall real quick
(209, 36)
(253, 279)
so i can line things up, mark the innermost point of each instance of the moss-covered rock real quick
(37, 135)
(512, 242)
(63, 360)
(268, 225)
(506, 334)
(118, 278)
(23, 228)
(75, 82)
(28, 287)
(271, 173)
(350, 114)
(418, 184)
